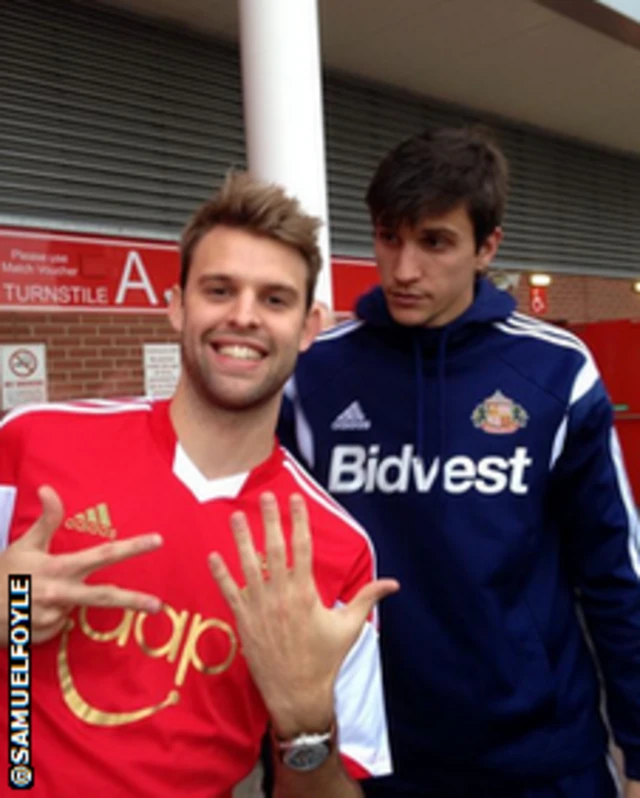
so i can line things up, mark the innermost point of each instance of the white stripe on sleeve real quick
(362, 723)
(303, 431)
(7, 503)
(558, 442)
(629, 504)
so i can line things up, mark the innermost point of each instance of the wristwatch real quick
(305, 752)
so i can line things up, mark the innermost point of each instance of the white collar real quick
(202, 488)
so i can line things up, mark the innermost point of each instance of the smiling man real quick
(476, 445)
(151, 678)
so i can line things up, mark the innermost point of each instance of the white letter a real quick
(126, 283)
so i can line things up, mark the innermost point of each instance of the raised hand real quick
(293, 644)
(57, 580)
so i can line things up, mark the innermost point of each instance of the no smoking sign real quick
(24, 375)
(23, 363)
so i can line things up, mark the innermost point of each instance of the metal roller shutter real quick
(119, 125)
(572, 208)
(109, 123)
(362, 123)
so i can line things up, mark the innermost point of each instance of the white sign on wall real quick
(161, 369)
(24, 374)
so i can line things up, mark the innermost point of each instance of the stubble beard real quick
(211, 392)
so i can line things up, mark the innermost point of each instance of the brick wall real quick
(575, 299)
(91, 354)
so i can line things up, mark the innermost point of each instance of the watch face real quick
(306, 757)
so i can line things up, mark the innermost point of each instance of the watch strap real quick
(306, 751)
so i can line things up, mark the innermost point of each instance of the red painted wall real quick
(616, 349)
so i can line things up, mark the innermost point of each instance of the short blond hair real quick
(261, 208)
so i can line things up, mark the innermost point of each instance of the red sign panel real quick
(351, 278)
(538, 302)
(58, 271)
(55, 271)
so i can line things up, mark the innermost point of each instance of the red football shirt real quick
(129, 704)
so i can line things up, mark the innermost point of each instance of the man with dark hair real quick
(476, 445)
(149, 679)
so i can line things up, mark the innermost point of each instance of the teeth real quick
(240, 352)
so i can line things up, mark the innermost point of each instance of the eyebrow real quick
(441, 229)
(421, 227)
(228, 278)
(284, 288)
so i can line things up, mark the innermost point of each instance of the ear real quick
(327, 319)
(176, 309)
(489, 248)
(312, 326)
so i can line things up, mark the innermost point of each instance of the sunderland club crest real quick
(499, 415)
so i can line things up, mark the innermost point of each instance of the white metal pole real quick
(282, 85)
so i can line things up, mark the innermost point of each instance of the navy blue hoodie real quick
(481, 458)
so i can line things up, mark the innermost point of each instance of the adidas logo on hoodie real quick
(353, 418)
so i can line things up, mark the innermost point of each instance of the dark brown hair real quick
(435, 172)
(261, 208)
